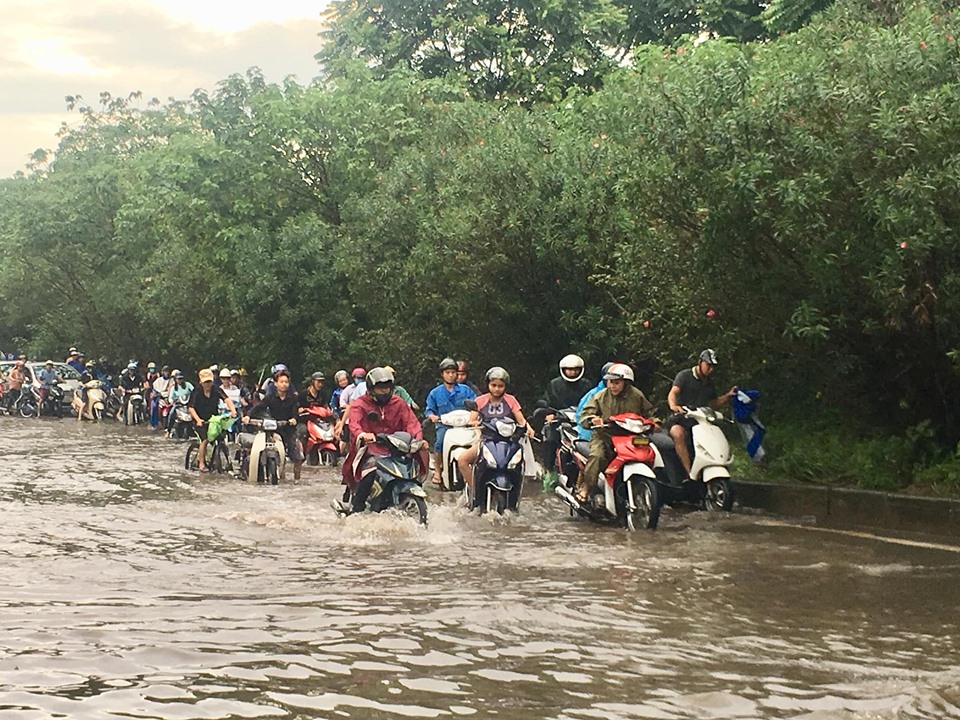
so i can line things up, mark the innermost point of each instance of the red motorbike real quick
(319, 445)
(626, 492)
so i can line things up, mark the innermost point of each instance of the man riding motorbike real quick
(562, 392)
(377, 411)
(692, 388)
(48, 378)
(204, 404)
(446, 397)
(129, 381)
(160, 390)
(620, 396)
(315, 393)
(282, 403)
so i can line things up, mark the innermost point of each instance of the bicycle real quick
(218, 454)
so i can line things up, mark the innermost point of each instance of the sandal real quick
(437, 481)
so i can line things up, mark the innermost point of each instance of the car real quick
(70, 377)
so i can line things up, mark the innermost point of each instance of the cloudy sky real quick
(53, 48)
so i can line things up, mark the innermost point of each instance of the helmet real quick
(358, 372)
(619, 371)
(151, 366)
(225, 373)
(448, 364)
(318, 376)
(81, 355)
(571, 362)
(213, 368)
(709, 356)
(277, 368)
(165, 368)
(176, 374)
(605, 369)
(389, 368)
(380, 376)
(49, 362)
(72, 351)
(132, 367)
(497, 373)
(462, 366)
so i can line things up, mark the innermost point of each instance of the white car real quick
(69, 376)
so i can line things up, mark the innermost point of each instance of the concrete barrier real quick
(852, 508)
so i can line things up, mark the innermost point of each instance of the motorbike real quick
(498, 472)
(135, 408)
(36, 401)
(262, 455)
(459, 437)
(319, 446)
(114, 403)
(182, 428)
(399, 476)
(627, 491)
(710, 485)
(94, 407)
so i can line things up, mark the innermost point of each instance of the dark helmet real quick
(709, 356)
(448, 364)
(378, 377)
(497, 373)
(318, 376)
(605, 369)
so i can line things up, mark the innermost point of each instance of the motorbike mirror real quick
(470, 405)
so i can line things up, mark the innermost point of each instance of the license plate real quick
(640, 441)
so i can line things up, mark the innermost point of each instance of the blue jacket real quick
(582, 431)
(440, 400)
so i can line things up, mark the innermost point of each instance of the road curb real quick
(848, 508)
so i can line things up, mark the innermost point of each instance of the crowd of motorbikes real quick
(632, 490)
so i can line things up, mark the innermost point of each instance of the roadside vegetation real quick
(780, 182)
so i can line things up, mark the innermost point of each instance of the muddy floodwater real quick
(133, 589)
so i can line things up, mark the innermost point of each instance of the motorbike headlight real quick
(515, 460)
(488, 457)
(269, 424)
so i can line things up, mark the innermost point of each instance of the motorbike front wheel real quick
(646, 496)
(313, 457)
(413, 506)
(719, 495)
(328, 458)
(221, 459)
(270, 471)
(498, 501)
(27, 409)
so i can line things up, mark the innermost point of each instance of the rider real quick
(204, 404)
(495, 404)
(356, 389)
(403, 394)
(160, 390)
(48, 378)
(282, 403)
(230, 390)
(562, 392)
(15, 379)
(180, 389)
(342, 380)
(620, 396)
(77, 361)
(692, 388)
(446, 397)
(269, 385)
(129, 382)
(316, 395)
(238, 380)
(582, 432)
(377, 411)
(463, 370)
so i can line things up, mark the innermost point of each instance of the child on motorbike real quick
(496, 403)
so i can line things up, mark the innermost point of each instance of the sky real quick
(163, 48)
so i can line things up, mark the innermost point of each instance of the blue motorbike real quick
(498, 472)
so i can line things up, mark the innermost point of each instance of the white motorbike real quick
(458, 438)
(135, 408)
(263, 458)
(710, 465)
(93, 408)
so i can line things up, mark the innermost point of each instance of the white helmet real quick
(571, 362)
(619, 371)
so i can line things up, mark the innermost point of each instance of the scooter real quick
(135, 412)
(263, 457)
(95, 404)
(711, 458)
(36, 401)
(498, 472)
(182, 428)
(459, 437)
(627, 491)
(399, 476)
(30, 401)
(319, 446)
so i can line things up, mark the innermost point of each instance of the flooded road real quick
(133, 589)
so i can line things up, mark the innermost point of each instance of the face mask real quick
(357, 381)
